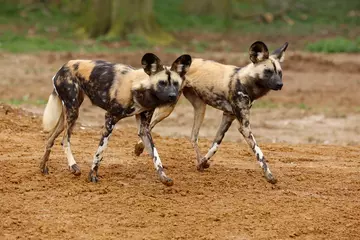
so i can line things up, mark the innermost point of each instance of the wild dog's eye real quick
(280, 74)
(176, 84)
(268, 72)
(162, 83)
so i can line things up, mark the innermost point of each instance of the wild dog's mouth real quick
(277, 87)
(172, 99)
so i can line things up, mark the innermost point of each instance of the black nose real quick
(172, 96)
(279, 86)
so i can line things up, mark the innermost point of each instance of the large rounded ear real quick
(181, 64)
(258, 52)
(279, 53)
(151, 64)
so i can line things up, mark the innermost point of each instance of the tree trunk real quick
(115, 18)
(97, 19)
(222, 8)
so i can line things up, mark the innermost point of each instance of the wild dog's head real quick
(266, 68)
(165, 82)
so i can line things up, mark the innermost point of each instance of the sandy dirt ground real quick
(309, 133)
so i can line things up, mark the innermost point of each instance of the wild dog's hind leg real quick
(226, 121)
(72, 98)
(160, 114)
(110, 122)
(71, 115)
(243, 118)
(199, 114)
(144, 133)
(59, 128)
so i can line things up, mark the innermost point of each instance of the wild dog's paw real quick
(270, 178)
(139, 148)
(75, 169)
(206, 164)
(203, 165)
(93, 177)
(44, 170)
(166, 181)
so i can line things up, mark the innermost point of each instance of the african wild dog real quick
(230, 89)
(120, 90)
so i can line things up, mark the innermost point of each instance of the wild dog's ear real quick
(151, 64)
(181, 65)
(258, 52)
(280, 52)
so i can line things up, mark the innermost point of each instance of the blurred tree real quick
(219, 8)
(114, 19)
(97, 18)
(216, 7)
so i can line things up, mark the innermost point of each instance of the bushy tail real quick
(52, 112)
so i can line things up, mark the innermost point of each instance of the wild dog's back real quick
(98, 78)
(211, 81)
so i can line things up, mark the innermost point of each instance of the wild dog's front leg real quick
(199, 114)
(110, 122)
(243, 118)
(226, 121)
(144, 134)
(160, 114)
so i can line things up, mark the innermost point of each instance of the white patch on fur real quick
(69, 155)
(157, 161)
(52, 113)
(248, 70)
(282, 57)
(258, 152)
(99, 152)
(153, 67)
(242, 94)
(260, 56)
(53, 82)
(179, 68)
(253, 138)
(211, 151)
(105, 143)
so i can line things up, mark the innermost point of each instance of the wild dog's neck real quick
(146, 98)
(248, 83)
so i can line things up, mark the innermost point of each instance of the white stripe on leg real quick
(260, 157)
(99, 152)
(211, 151)
(69, 155)
(157, 162)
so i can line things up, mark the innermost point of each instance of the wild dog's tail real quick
(52, 112)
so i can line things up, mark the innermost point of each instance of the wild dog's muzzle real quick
(278, 86)
(172, 96)
(276, 83)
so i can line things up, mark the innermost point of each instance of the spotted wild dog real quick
(118, 89)
(230, 89)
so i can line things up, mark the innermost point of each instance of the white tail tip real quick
(52, 112)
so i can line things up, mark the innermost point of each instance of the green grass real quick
(309, 17)
(264, 104)
(303, 106)
(269, 104)
(24, 29)
(24, 100)
(21, 43)
(333, 45)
